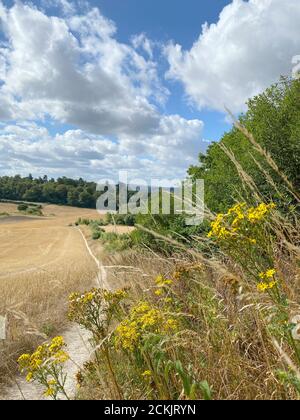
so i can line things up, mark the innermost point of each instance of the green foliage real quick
(22, 207)
(121, 219)
(274, 120)
(97, 231)
(172, 226)
(95, 226)
(116, 243)
(289, 378)
(96, 234)
(30, 209)
(63, 191)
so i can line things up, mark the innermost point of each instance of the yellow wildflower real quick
(159, 280)
(147, 373)
(262, 287)
(228, 225)
(49, 392)
(56, 344)
(88, 297)
(24, 360)
(168, 282)
(29, 376)
(269, 274)
(127, 335)
(118, 295)
(73, 296)
(52, 382)
(150, 318)
(237, 209)
(121, 294)
(171, 324)
(61, 356)
(141, 308)
(159, 292)
(168, 300)
(256, 214)
(143, 319)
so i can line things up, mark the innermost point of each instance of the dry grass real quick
(227, 342)
(234, 337)
(119, 229)
(41, 262)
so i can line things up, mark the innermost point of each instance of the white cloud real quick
(66, 6)
(250, 47)
(75, 71)
(72, 69)
(27, 147)
(141, 41)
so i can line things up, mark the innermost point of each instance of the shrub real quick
(23, 207)
(116, 243)
(121, 219)
(34, 211)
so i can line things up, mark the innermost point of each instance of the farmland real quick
(42, 260)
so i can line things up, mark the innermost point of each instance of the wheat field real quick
(42, 260)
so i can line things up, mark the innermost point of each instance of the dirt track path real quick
(78, 347)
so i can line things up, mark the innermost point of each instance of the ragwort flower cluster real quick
(237, 220)
(45, 366)
(95, 309)
(268, 280)
(142, 320)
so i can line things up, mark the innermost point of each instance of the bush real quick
(96, 235)
(121, 219)
(31, 209)
(22, 207)
(89, 222)
(34, 211)
(116, 243)
(97, 232)
(129, 220)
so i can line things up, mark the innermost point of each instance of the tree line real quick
(64, 191)
(273, 118)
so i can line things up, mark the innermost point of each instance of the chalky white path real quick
(78, 347)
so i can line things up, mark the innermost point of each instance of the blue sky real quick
(162, 21)
(88, 88)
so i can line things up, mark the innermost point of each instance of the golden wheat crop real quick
(41, 261)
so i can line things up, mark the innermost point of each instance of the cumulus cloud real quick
(71, 69)
(27, 147)
(250, 47)
(76, 72)
(141, 41)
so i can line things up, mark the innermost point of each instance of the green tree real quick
(274, 119)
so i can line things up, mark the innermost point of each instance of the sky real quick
(89, 88)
